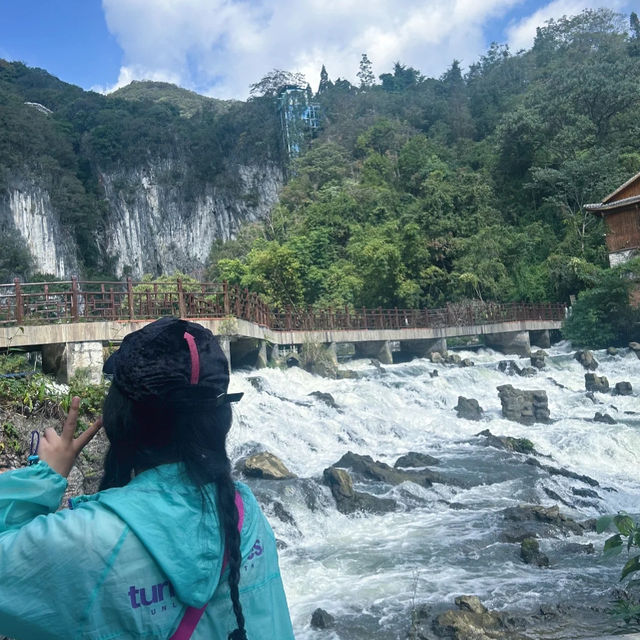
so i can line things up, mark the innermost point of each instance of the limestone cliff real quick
(153, 223)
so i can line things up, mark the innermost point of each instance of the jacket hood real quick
(164, 510)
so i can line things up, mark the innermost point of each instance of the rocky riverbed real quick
(400, 516)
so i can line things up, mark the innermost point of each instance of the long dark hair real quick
(144, 434)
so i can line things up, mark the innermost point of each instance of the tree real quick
(269, 86)
(325, 83)
(365, 74)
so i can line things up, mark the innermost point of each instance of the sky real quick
(220, 47)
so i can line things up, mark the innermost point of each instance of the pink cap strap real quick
(195, 358)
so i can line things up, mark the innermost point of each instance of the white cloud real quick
(220, 47)
(520, 35)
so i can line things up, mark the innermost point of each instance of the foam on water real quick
(369, 570)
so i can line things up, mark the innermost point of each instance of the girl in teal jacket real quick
(170, 547)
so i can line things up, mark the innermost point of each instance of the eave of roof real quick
(621, 187)
(603, 206)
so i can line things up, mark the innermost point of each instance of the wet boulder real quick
(436, 357)
(586, 359)
(542, 521)
(623, 389)
(510, 367)
(524, 406)
(433, 374)
(453, 358)
(635, 347)
(469, 409)
(372, 469)
(326, 398)
(414, 459)
(467, 362)
(517, 445)
(321, 619)
(538, 359)
(592, 382)
(603, 417)
(477, 623)
(559, 471)
(348, 500)
(265, 465)
(612, 351)
(531, 554)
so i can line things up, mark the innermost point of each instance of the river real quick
(369, 570)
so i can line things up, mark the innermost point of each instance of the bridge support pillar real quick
(515, 342)
(261, 360)
(540, 338)
(64, 360)
(423, 348)
(332, 352)
(379, 349)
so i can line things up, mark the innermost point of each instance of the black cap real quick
(173, 359)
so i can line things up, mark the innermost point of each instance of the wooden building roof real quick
(625, 195)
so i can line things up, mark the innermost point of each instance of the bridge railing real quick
(461, 314)
(82, 301)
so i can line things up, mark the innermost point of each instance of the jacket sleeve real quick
(45, 570)
(29, 492)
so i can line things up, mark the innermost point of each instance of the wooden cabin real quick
(621, 213)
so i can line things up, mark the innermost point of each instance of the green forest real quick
(415, 191)
(419, 191)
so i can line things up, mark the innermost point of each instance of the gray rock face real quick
(623, 389)
(635, 347)
(469, 409)
(526, 407)
(592, 382)
(153, 224)
(586, 359)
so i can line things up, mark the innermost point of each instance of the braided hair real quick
(145, 434)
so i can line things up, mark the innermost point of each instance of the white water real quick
(369, 570)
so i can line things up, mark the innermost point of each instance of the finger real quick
(83, 439)
(72, 420)
(49, 434)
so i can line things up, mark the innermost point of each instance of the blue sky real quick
(219, 47)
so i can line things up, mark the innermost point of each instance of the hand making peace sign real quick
(61, 451)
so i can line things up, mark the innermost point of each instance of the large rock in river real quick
(372, 469)
(586, 359)
(265, 465)
(592, 382)
(469, 409)
(524, 406)
(348, 500)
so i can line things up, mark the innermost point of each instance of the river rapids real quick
(368, 570)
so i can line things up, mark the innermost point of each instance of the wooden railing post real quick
(74, 299)
(181, 306)
(19, 312)
(225, 290)
(130, 297)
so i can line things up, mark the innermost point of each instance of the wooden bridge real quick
(76, 312)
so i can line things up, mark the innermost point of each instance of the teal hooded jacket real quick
(127, 562)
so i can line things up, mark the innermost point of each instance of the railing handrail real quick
(84, 300)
